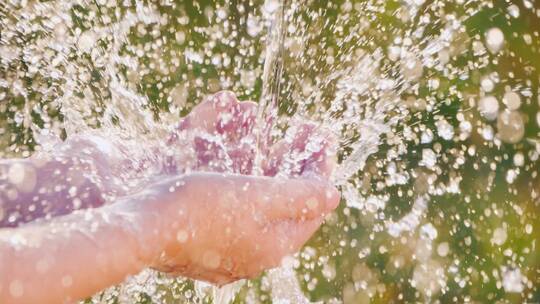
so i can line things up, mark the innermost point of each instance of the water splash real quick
(430, 104)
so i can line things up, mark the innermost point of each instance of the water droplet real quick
(72, 191)
(511, 176)
(487, 84)
(429, 158)
(43, 265)
(412, 69)
(513, 10)
(179, 96)
(211, 259)
(445, 129)
(512, 100)
(312, 203)
(512, 280)
(510, 126)
(22, 176)
(494, 39)
(519, 159)
(67, 281)
(499, 236)
(270, 6)
(443, 249)
(488, 107)
(428, 231)
(182, 236)
(254, 26)
(87, 41)
(16, 289)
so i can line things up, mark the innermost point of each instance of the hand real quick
(224, 227)
(231, 224)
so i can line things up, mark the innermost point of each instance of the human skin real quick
(203, 214)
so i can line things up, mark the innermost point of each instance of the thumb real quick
(297, 198)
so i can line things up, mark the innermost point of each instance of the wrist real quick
(140, 227)
(154, 219)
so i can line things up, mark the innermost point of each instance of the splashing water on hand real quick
(435, 110)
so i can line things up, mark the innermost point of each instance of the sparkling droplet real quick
(182, 236)
(512, 280)
(67, 281)
(211, 259)
(513, 10)
(510, 126)
(445, 129)
(488, 107)
(487, 84)
(499, 236)
(512, 100)
(443, 249)
(22, 176)
(312, 203)
(271, 6)
(519, 159)
(87, 41)
(429, 158)
(494, 39)
(16, 289)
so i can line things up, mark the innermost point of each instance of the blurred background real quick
(436, 104)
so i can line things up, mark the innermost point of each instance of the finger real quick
(273, 162)
(222, 114)
(209, 114)
(247, 117)
(242, 158)
(281, 199)
(310, 152)
(284, 156)
(210, 155)
(275, 199)
(322, 162)
(242, 121)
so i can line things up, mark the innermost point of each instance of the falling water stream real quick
(435, 105)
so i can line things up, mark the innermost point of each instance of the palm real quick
(242, 217)
(222, 134)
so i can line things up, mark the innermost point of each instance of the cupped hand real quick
(231, 217)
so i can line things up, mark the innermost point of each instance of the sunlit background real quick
(436, 105)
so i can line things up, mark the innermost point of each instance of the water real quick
(435, 105)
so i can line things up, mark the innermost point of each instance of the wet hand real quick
(222, 221)
(223, 227)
